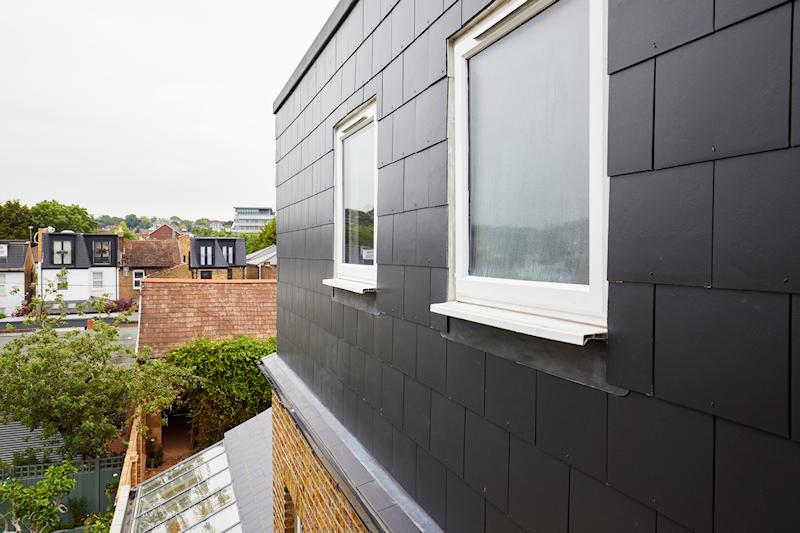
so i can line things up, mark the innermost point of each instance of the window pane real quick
(358, 159)
(528, 146)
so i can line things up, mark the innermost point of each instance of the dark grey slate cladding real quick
(577, 459)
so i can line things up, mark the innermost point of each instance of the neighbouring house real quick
(539, 268)
(217, 258)
(16, 275)
(173, 312)
(262, 264)
(165, 231)
(88, 262)
(144, 258)
(215, 225)
(251, 219)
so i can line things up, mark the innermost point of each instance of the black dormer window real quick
(101, 252)
(206, 255)
(62, 252)
(227, 252)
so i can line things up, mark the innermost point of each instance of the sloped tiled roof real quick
(154, 253)
(176, 311)
(17, 250)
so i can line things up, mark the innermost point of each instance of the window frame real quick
(581, 304)
(60, 257)
(95, 273)
(100, 242)
(206, 274)
(209, 257)
(3, 251)
(356, 278)
(228, 253)
(3, 280)
(137, 282)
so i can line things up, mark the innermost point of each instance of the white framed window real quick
(62, 252)
(97, 279)
(227, 252)
(206, 255)
(356, 197)
(3, 290)
(138, 276)
(528, 184)
(101, 252)
(3, 251)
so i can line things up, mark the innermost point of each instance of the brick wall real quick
(314, 495)
(178, 272)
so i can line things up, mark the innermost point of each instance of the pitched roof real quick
(268, 255)
(17, 250)
(155, 253)
(173, 312)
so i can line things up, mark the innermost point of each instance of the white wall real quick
(79, 281)
(10, 302)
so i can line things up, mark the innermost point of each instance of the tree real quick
(266, 237)
(71, 383)
(106, 220)
(230, 388)
(50, 213)
(132, 221)
(127, 234)
(145, 223)
(14, 220)
(36, 508)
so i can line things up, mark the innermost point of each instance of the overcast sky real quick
(153, 107)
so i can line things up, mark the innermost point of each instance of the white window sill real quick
(538, 326)
(358, 287)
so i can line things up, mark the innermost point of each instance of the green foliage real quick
(51, 213)
(71, 383)
(201, 231)
(99, 523)
(155, 454)
(106, 220)
(132, 221)
(127, 234)
(14, 220)
(36, 508)
(230, 387)
(78, 510)
(266, 237)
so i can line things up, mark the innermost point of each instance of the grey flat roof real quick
(377, 496)
(328, 30)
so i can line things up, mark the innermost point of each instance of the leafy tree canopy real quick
(14, 220)
(132, 220)
(230, 387)
(51, 213)
(107, 220)
(81, 385)
(36, 508)
(126, 232)
(266, 237)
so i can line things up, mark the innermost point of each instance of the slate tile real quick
(351, 401)
(470, 8)
(402, 26)
(373, 380)
(727, 12)
(405, 238)
(710, 345)
(416, 295)
(415, 68)
(486, 459)
(403, 130)
(757, 480)
(365, 331)
(660, 226)
(365, 425)
(795, 364)
(663, 455)
(511, 396)
(466, 368)
(630, 119)
(438, 33)
(755, 229)
(439, 281)
(385, 140)
(383, 331)
(571, 423)
(431, 486)
(350, 324)
(356, 374)
(538, 491)
(372, 15)
(415, 182)
(665, 525)
(417, 412)
(447, 432)
(383, 441)
(795, 112)
(432, 359)
(382, 45)
(390, 290)
(722, 113)
(364, 62)
(597, 508)
(385, 240)
(432, 237)
(392, 396)
(404, 468)
(465, 507)
(630, 336)
(643, 29)
(425, 12)
(390, 188)
(404, 349)
(393, 86)
(431, 116)
(496, 520)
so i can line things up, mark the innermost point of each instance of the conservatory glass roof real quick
(195, 495)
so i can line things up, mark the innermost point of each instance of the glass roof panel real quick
(197, 513)
(181, 483)
(181, 468)
(203, 492)
(222, 521)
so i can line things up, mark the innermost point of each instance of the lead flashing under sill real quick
(538, 326)
(358, 287)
